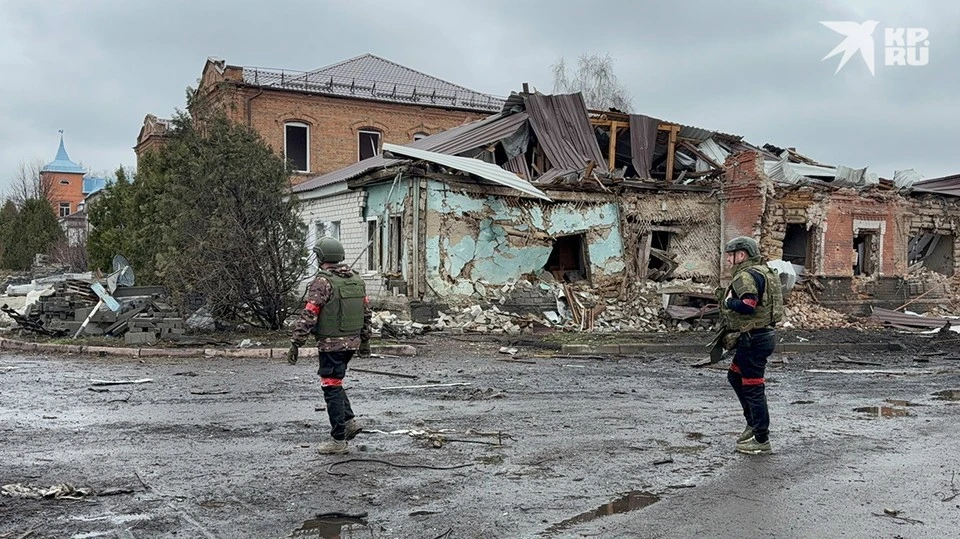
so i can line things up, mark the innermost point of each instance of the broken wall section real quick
(684, 227)
(934, 241)
(476, 236)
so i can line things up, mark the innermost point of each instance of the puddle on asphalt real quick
(947, 395)
(882, 411)
(330, 527)
(630, 501)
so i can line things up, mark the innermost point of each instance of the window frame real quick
(64, 206)
(286, 153)
(369, 131)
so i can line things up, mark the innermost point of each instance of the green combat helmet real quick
(743, 243)
(328, 250)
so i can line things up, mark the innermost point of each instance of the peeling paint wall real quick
(473, 237)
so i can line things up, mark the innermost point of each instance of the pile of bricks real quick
(157, 321)
(141, 319)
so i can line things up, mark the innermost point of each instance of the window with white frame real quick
(296, 145)
(330, 229)
(64, 209)
(368, 143)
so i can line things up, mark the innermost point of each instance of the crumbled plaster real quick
(498, 240)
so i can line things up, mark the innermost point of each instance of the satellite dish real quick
(122, 274)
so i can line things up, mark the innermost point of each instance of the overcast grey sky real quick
(95, 68)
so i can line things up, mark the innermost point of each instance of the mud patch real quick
(882, 411)
(947, 395)
(630, 501)
(331, 526)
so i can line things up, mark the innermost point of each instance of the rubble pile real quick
(802, 311)
(390, 326)
(70, 307)
(576, 307)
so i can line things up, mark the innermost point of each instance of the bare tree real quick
(595, 79)
(26, 183)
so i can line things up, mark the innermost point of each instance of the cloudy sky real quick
(94, 68)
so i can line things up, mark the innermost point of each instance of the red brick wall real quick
(71, 191)
(742, 197)
(334, 123)
(746, 211)
(844, 209)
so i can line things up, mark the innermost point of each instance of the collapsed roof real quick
(555, 142)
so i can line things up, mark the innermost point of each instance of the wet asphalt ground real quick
(538, 447)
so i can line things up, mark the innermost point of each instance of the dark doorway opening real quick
(568, 261)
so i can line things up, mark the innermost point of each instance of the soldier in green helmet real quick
(338, 315)
(750, 308)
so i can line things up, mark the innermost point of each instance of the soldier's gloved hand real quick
(364, 350)
(293, 354)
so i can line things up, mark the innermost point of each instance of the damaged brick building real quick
(551, 192)
(864, 241)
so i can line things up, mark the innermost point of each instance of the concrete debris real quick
(61, 307)
(390, 326)
(578, 307)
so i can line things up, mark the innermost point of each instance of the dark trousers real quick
(333, 368)
(746, 378)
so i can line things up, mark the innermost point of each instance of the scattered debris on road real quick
(63, 491)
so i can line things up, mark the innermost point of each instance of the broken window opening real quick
(933, 251)
(368, 142)
(568, 260)
(296, 138)
(798, 245)
(660, 241)
(866, 254)
(420, 135)
(329, 229)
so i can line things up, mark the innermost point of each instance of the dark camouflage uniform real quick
(318, 294)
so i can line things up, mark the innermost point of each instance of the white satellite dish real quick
(122, 274)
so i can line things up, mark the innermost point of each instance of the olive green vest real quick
(342, 316)
(768, 312)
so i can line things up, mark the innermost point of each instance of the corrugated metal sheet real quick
(854, 177)
(947, 185)
(562, 125)
(897, 318)
(453, 141)
(713, 150)
(476, 167)
(643, 142)
(903, 179)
